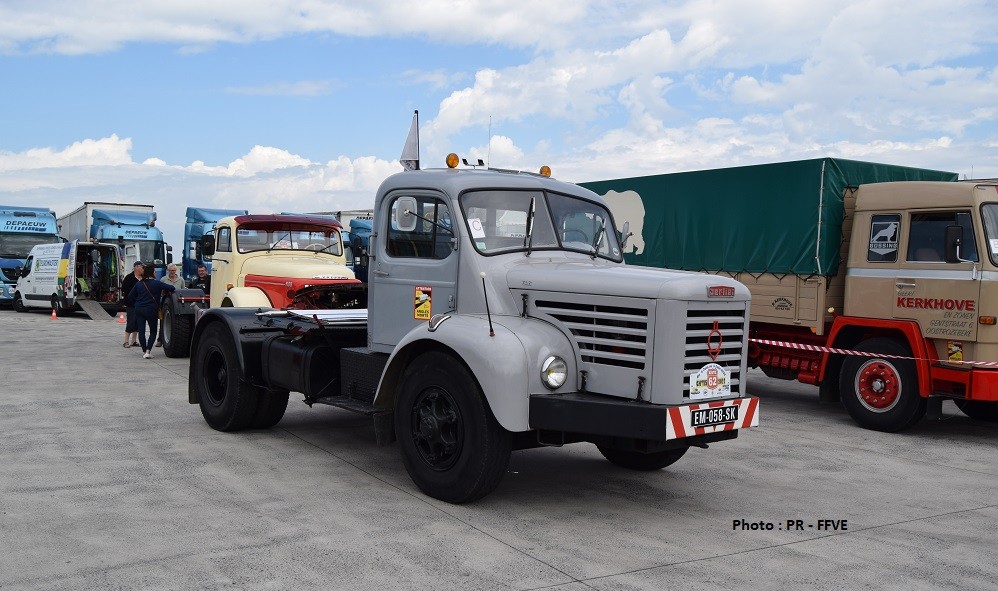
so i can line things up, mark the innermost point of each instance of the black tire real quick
(18, 303)
(881, 393)
(644, 462)
(176, 332)
(979, 410)
(227, 403)
(270, 410)
(451, 444)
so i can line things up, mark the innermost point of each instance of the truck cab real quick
(924, 258)
(200, 222)
(21, 229)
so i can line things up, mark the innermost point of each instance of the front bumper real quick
(593, 414)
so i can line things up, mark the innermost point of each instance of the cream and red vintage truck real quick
(501, 316)
(293, 262)
(878, 283)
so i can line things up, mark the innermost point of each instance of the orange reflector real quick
(545, 170)
(988, 320)
(452, 160)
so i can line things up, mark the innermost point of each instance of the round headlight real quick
(554, 372)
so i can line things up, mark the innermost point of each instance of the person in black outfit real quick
(202, 281)
(126, 288)
(145, 297)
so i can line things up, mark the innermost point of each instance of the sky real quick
(304, 105)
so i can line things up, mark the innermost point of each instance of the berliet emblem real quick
(720, 291)
(714, 347)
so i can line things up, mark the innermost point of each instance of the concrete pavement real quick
(111, 480)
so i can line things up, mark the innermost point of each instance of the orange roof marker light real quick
(452, 160)
(545, 171)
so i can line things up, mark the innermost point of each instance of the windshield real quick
(989, 211)
(17, 246)
(151, 251)
(250, 238)
(497, 223)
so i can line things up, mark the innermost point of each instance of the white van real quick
(58, 276)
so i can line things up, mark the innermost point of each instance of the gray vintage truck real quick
(500, 317)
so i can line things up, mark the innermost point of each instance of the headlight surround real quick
(554, 372)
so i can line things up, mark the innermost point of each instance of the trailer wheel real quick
(881, 393)
(227, 403)
(270, 410)
(18, 303)
(979, 410)
(644, 462)
(57, 306)
(451, 444)
(176, 332)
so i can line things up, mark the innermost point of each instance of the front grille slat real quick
(700, 337)
(605, 334)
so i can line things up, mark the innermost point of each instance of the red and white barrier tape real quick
(820, 349)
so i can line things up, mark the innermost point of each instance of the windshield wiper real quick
(598, 238)
(528, 240)
(278, 241)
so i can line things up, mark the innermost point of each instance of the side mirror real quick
(25, 271)
(954, 242)
(169, 256)
(405, 214)
(208, 244)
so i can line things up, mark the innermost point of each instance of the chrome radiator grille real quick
(610, 335)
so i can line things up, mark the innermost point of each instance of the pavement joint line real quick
(772, 546)
(445, 512)
(858, 448)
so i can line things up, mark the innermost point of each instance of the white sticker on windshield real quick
(994, 245)
(477, 231)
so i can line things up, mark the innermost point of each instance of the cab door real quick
(26, 283)
(942, 297)
(414, 274)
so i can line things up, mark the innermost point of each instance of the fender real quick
(247, 349)
(908, 329)
(507, 366)
(248, 297)
(184, 301)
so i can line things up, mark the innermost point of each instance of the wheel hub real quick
(436, 428)
(878, 385)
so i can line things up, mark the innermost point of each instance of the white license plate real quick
(707, 417)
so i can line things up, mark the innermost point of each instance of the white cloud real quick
(109, 151)
(300, 88)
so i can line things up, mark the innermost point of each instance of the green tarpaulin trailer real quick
(782, 218)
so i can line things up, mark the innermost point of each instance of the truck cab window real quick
(926, 238)
(431, 238)
(224, 240)
(989, 212)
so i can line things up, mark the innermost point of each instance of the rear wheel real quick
(57, 306)
(979, 410)
(644, 462)
(18, 303)
(176, 332)
(881, 393)
(227, 403)
(451, 444)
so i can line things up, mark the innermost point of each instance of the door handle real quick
(381, 273)
(902, 285)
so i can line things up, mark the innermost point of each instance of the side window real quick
(224, 240)
(430, 239)
(926, 238)
(885, 234)
(27, 267)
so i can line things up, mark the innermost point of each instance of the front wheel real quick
(18, 303)
(644, 462)
(881, 393)
(227, 402)
(979, 410)
(452, 446)
(176, 332)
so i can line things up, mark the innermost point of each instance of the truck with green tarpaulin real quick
(876, 282)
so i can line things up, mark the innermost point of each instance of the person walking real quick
(171, 278)
(126, 288)
(145, 298)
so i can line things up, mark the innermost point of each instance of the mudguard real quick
(183, 302)
(507, 365)
(247, 297)
(236, 321)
